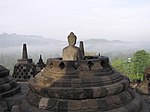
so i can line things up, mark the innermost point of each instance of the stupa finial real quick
(24, 52)
(82, 48)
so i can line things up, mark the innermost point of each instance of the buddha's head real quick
(72, 39)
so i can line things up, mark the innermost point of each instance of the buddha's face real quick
(72, 39)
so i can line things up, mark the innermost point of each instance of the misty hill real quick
(98, 41)
(12, 43)
(114, 46)
(9, 40)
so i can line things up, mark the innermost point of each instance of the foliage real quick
(120, 65)
(141, 60)
(135, 68)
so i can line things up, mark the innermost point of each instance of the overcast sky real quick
(127, 20)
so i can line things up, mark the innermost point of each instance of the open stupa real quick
(78, 83)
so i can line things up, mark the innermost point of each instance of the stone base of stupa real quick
(7, 103)
(91, 85)
(42, 104)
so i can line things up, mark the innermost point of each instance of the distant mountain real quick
(10, 40)
(12, 43)
(114, 47)
(93, 41)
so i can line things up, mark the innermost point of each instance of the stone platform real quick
(89, 85)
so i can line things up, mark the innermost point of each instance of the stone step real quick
(7, 86)
(80, 92)
(123, 102)
(11, 92)
(5, 79)
(3, 71)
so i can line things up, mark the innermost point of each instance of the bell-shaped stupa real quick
(77, 83)
(40, 64)
(9, 90)
(8, 86)
(25, 68)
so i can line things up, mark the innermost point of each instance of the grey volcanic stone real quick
(75, 84)
(25, 68)
(8, 90)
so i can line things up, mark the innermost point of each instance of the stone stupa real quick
(8, 90)
(40, 64)
(77, 83)
(25, 68)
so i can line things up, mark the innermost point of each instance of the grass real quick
(135, 77)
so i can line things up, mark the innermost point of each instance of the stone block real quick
(15, 108)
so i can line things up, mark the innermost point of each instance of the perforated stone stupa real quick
(25, 68)
(80, 85)
(40, 65)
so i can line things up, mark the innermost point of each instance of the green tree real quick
(120, 65)
(140, 61)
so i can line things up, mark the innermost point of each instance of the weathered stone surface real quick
(8, 86)
(80, 85)
(87, 92)
(15, 108)
(8, 90)
(3, 71)
(43, 104)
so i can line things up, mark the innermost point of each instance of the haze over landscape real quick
(11, 48)
(125, 20)
(115, 28)
(12, 43)
(43, 68)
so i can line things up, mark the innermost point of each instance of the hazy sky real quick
(127, 20)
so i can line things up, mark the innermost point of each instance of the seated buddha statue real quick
(71, 52)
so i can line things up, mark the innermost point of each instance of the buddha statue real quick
(71, 52)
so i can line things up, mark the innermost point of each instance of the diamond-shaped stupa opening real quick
(76, 65)
(90, 64)
(51, 65)
(62, 65)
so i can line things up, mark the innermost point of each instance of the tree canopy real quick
(135, 68)
(141, 60)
